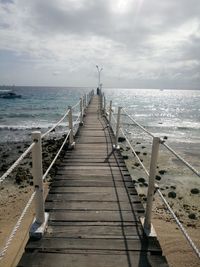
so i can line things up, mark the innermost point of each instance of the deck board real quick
(94, 209)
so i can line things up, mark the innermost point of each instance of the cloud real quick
(136, 41)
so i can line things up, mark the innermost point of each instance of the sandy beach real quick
(16, 190)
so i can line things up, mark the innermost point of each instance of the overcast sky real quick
(139, 43)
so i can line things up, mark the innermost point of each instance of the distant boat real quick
(8, 94)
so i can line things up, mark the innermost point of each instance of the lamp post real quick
(99, 76)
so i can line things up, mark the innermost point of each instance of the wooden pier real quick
(94, 209)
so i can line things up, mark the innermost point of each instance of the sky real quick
(138, 43)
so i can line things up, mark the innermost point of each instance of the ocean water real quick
(172, 113)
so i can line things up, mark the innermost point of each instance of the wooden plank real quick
(94, 231)
(93, 258)
(93, 205)
(90, 183)
(91, 197)
(90, 189)
(63, 244)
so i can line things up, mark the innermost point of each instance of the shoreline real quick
(16, 192)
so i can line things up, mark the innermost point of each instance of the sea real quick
(166, 113)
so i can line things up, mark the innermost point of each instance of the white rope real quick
(53, 127)
(181, 159)
(16, 227)
(140, 162)
(180, 225)
(16, 163)
(47, 171)
(114, 118)
(78, 118)
(138, 124)
(77, 104)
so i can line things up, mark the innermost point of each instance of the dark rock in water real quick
(137, 164)
(162, 172)
(195, 191)
(138, 143)
(125, 157)
(143, 147)
(137, 152)
(145, 184)
(173, 187)
(121, 139)
(172, 194)
(141, 180)
(145, 153)
(127, 148)
(192, 216)
(158, 178)
(165, 137)
(4, 168)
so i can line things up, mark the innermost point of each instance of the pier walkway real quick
(93, 208)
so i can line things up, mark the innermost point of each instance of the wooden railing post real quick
(37, 172)
(110, 113)
(151, 187)
(70, 121)
(117, 127)
(81, 111)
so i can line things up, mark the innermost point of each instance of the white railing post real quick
(104, 104)
(37, 172)
(117, 127)
(86, 100)
(41, 217)
(70, 121)
(102, 96)
(110, 113)
(151, 188)
(81, 111)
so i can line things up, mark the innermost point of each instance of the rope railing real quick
(138, 124)
(76, 105)
(162, 142)
(135, 154)
(55, 158)
(54, 126)
(16, 163)
(38, 176)
(16, 227)
(154, 188)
